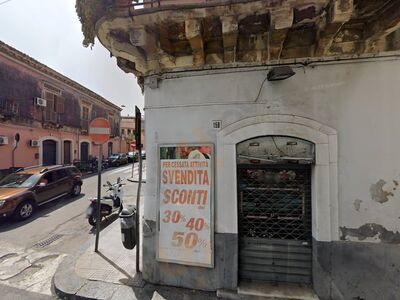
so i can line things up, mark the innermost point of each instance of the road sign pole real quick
(138, 142)
(99, 132)
(137, 210)
(133, 164)
(98, 217)
(132, 145)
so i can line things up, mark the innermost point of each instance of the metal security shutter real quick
(275, 222)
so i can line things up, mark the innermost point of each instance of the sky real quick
(50, 32)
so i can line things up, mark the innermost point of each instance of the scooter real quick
(108, 204)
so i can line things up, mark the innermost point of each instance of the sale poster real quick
(185, 231)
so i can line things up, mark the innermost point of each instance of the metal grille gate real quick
(275, 222)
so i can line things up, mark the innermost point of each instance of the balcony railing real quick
(9, 108)
(85, 126)
(50, 116)
(158, 3)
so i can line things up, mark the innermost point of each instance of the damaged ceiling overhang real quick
(223, 33)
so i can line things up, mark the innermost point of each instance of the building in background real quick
(50, 112)
(128, 133)
(293, 104)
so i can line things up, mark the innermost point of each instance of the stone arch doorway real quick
(274, 209)
(324, 198)
(84, 151)
(49, 152)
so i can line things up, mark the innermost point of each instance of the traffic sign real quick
(133, 144)
(99, 130)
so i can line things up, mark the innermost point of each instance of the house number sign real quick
(185, 222)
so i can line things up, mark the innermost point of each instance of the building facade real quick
(50, 112)
(128, 133)
(297, 100)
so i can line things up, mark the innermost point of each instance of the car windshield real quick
(114, 156)
(19, 180)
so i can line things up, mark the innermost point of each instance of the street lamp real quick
(280, 73)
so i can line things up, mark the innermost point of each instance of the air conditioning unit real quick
(34, 143)
(3, 140)
(40, 102)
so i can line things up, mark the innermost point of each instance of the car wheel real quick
(76, 190)
(24, 210)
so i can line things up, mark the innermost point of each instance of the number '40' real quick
(196, 224)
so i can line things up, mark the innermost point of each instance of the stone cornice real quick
(21, 57)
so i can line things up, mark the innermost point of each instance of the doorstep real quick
(268, 290)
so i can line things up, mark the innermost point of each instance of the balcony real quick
(8, 108)
(173, 35)
(85, 126)
(50, 116)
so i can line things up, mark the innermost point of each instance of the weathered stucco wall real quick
(357, 100)
(19, 85)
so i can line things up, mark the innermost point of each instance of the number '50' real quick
(190, 240)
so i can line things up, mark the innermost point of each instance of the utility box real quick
(127, 218)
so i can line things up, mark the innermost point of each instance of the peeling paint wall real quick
(355, 99)
(370, 232)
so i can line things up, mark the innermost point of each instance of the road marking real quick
(28, 269)
(128, 169)
(119, 170)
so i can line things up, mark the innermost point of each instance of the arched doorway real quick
(274, 209)
(67, 152)
(110, 149)
(49, 152)
(84, 151)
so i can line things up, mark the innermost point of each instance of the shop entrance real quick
(274, 209)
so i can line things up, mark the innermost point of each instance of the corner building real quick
(306, 169)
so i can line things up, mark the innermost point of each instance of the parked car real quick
(143, 154)
(23, 191)
(116, 160)
(133, 156)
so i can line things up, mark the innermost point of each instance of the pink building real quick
(128, 133)
(50, 112)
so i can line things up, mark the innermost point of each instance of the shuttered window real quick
(55, 102)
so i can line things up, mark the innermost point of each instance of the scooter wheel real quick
(92, 220)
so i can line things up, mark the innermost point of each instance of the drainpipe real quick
(16, 138)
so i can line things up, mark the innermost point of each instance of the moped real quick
(108, 204)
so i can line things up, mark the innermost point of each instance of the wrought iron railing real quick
(9, 107)
(84, 125)
(158, 3)
(50, 116)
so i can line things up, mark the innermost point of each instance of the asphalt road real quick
(30, 251)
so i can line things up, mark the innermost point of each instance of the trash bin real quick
(127, 217)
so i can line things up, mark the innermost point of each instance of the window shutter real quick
(60, 105)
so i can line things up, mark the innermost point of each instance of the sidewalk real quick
(110, 273)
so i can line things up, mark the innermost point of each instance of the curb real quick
(68, 285)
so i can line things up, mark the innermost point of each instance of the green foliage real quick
(89, 11)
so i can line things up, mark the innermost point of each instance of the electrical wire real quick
(259, 92)
(4, 2)
(276, 146)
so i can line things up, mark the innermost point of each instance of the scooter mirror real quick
(109, 183)
(118, 179)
